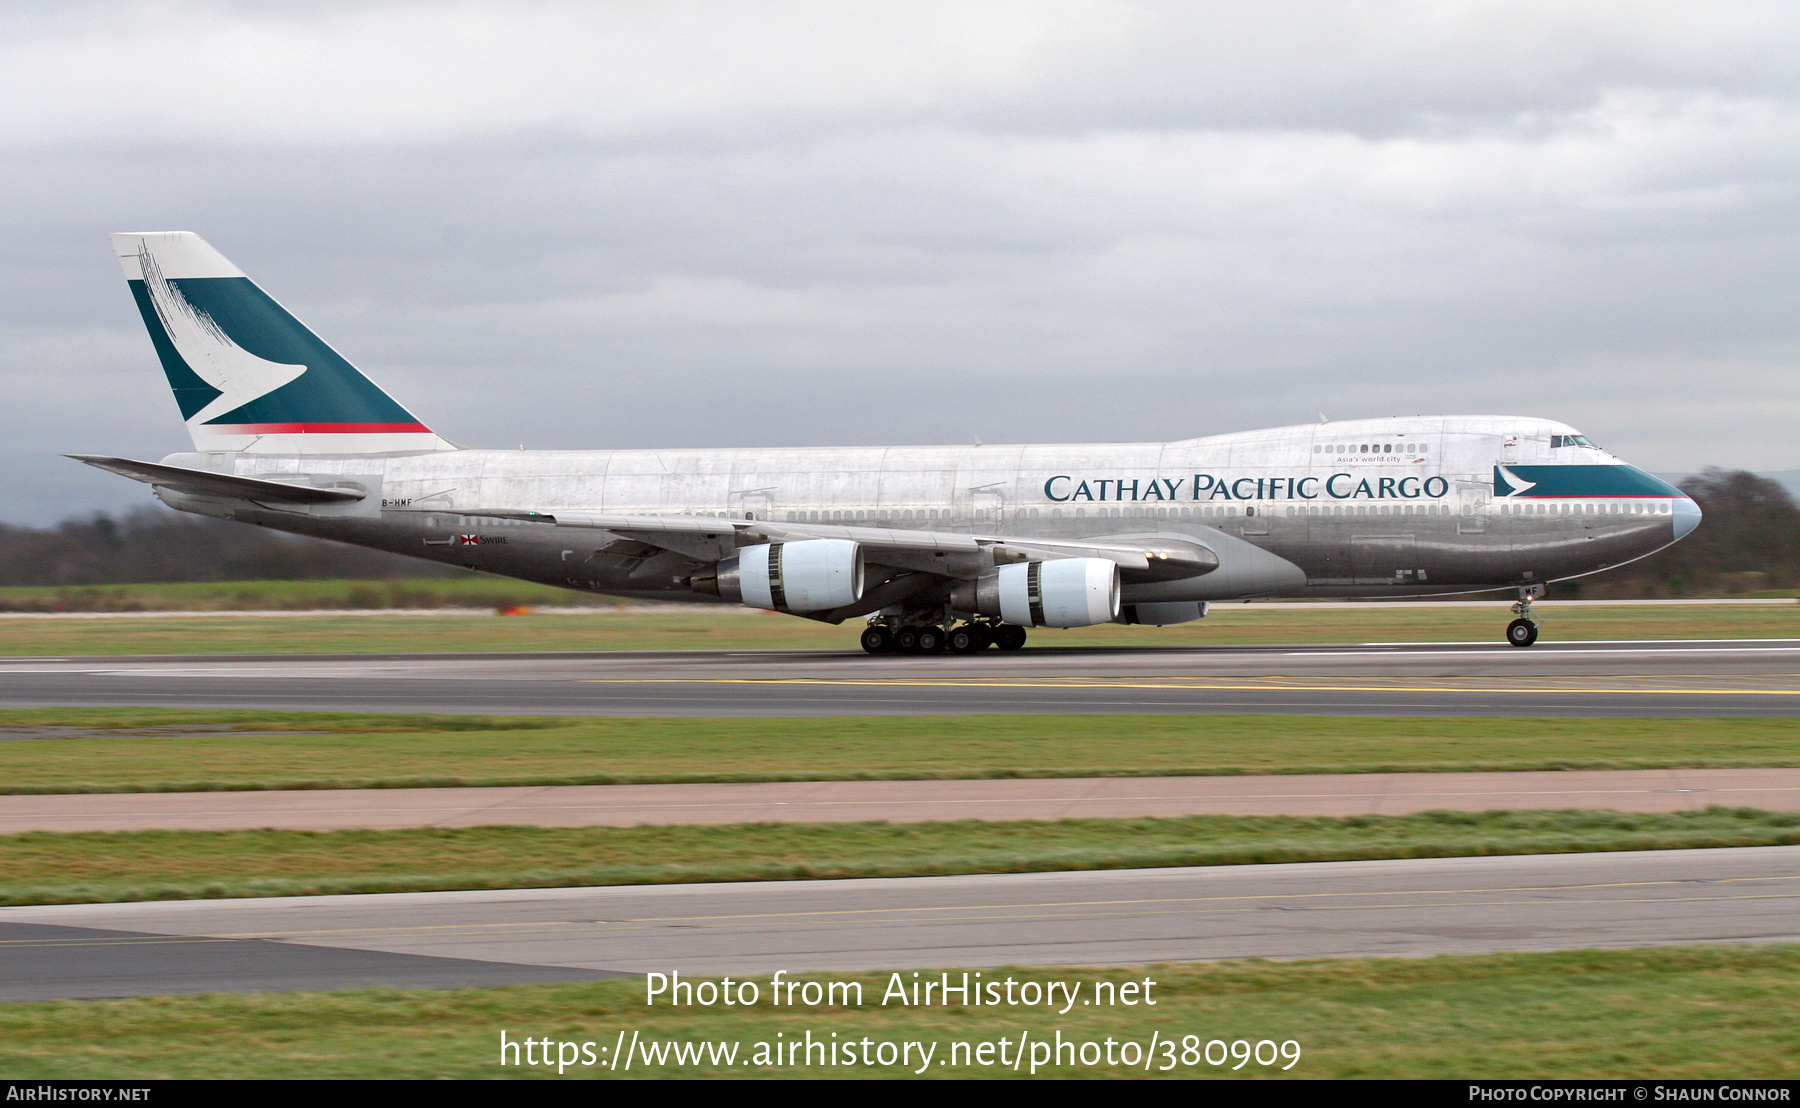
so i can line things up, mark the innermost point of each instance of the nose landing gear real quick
(1523, 631)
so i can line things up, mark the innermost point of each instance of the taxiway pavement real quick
(1658, 678)
(1403, 907)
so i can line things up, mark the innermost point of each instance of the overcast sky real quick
(593, 225)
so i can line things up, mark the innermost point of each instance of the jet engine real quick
(1067, 592)
(813, 575)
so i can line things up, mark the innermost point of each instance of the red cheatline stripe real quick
(319, 428)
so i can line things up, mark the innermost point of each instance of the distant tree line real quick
(160, 546)
(1748, 542)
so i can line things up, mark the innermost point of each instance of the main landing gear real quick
(1523, 631)
(967, 638)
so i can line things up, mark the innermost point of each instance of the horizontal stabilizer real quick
(205, 483)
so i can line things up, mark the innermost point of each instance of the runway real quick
(1657, 678)
(1348, 794)
(1119, 917)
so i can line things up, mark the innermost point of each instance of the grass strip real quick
(148, 749)
(450, 590)
(462, 590)
(58, 868)
(734, 629)
(1721, 1012)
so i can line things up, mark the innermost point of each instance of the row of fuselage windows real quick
(888, 515)
(934, 515)
(1580, 508)
(1372, 448)
(1498, 507)
(1224, 511)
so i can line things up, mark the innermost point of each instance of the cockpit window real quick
(1557, 441)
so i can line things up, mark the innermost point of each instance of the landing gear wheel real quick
(1009, 636)
(906, 640)
(1521, 632)
(930, 640)
(968, 639)
(876, 640)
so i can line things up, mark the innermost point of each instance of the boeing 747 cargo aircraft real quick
(936, 547)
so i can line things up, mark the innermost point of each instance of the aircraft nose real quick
(1687, 516)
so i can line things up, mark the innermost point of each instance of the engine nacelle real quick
(1068, 592)
(813, 575)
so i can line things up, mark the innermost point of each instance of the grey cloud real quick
(1100, 221)
(648, 75)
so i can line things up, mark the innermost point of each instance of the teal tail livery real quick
(933, 548)
(246, 374)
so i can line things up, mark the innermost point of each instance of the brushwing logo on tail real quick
(239, 375)
(245, 373)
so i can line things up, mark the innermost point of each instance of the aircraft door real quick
(987, 508)
(1472, 505)
(753, 504)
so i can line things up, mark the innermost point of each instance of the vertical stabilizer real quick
(246, 374)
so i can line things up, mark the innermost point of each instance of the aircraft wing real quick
(1139, 557)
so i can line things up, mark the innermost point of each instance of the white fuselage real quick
(1371, 507)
